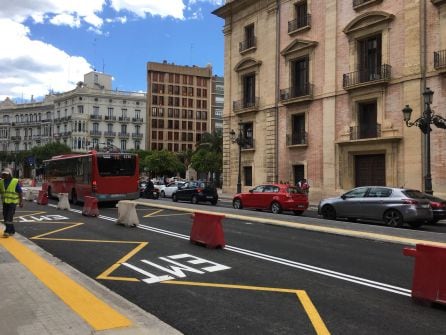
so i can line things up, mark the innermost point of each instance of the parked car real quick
(196, 191)
(274, 197)
(438, 206)
(393, 206)
(168, 190)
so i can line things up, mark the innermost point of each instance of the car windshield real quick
(414, 194)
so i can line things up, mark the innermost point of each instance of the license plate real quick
(209, 197)
(425, 206)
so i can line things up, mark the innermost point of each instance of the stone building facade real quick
(316, 90)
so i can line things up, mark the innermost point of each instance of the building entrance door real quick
(370, 170)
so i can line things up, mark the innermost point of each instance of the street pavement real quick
(41, 295)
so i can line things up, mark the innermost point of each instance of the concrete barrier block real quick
(127, 213)
(63, 201)
(29, 195)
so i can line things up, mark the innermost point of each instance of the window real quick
(249, 89)
(154, 111)
(301, 9)
(249, 41)
(369, 54)
(247, 134)
(80, 109)
(247, 173)
(298, 134)
(379, 192)
(299, 77)
(110, 112)
(367, 125)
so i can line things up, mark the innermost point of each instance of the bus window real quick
(116, 165)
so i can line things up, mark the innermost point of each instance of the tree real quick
(47, 151)
(212, 141)
(209, 154)
(185, 158)
(161, 163)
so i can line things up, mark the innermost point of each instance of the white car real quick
(168, 190)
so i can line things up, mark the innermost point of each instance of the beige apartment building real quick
(316, 89)
(178, 106)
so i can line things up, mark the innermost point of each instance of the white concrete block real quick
(63, 201)
(127, 213)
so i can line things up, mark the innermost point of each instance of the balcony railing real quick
(381, 74)
(95, 133)
(96, 117)
(109, 133)
(248, 44)
(16, 138)
(248, 143)
(241, 105)
(124, 119)
(109, 118)
(294, 92)
(440, 59)
(138, 120)
(299, 23)
(297, 138)
(365, 131)
(136, 135)
(124, 135)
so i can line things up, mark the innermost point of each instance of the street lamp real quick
(424, 122)
(240, 140)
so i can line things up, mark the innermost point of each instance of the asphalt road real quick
(268, 279)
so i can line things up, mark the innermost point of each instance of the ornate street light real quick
(240, 140)
(424, 122)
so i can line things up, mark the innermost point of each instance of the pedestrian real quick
(304, 186)
(11, 193)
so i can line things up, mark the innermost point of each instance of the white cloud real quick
(141, 8)
(67, 20)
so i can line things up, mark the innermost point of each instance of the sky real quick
(48, 45)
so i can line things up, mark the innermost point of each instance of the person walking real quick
(304, 186)
(11, 193)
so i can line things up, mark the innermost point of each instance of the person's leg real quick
(10, 210)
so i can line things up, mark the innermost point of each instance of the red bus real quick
(106, 176)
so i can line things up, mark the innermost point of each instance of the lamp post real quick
(423, 122)
(240, 140)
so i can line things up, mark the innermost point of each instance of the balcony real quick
(16, 138)
(247, 45)
(297, 138)
(299, 24)
(362, 78)
(359, 4)
(110, 118)
(296, 94)
(137, 120)
(66, 134)
(124, 119)
(109, 134)
(365, 132)
(124, 135)
(95, 133)
(440, 60)
(96, 117)
(136, 135)
(243, 106)
(248, 144)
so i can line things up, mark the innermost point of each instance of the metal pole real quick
(428, 177)
(239, 178)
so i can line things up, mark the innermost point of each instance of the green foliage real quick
(207, 161)
(162, 163)
(47, 151)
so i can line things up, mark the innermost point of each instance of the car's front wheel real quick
(237, 204)
(275, 208)
(162, 194)
(393, 218)
(328, 212)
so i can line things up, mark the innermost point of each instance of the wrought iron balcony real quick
(16, 138)
(247, 143)
(365, 131)
(297, 138)
(248, 44)
(379, 75)
(109, 133)
(137, 135)
(440, 60)
(95, 133)
(245, 105)
(297, 93)
(124, 119)
(138, 120)
(299, 23)
(124, 135)
(110, 118)
(96, 117)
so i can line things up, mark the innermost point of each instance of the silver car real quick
(390, 205)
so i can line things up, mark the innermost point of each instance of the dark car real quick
(196, 191)
(274, 197)
(393, 206)
(438, 206)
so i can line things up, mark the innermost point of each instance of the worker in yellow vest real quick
(11, 193)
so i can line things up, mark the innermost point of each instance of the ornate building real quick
(316, 90)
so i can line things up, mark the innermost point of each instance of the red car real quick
(276, 197)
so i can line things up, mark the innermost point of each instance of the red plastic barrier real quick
(90, 206)
(42, 198)
(429, 278)
(45, 187)
(207, 230)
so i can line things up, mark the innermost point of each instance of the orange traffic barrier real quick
(42, 198)
(429, 278)
(207, 230)
(90, 206)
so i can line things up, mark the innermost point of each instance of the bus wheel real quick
(73, 197)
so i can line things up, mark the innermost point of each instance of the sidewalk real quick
(28, 306)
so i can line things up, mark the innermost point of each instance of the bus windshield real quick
(116, 165)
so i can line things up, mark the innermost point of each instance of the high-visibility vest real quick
(9, 196)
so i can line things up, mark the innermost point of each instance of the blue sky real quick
(51, 44)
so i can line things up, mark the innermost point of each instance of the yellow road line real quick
(310, 309)
(153, 213)
(305, 226)
(94, 311)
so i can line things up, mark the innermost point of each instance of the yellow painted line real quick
(153, 213)
(305, 226)
(72, 225)
(310, 309)
(312, 313)
(94, 311)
